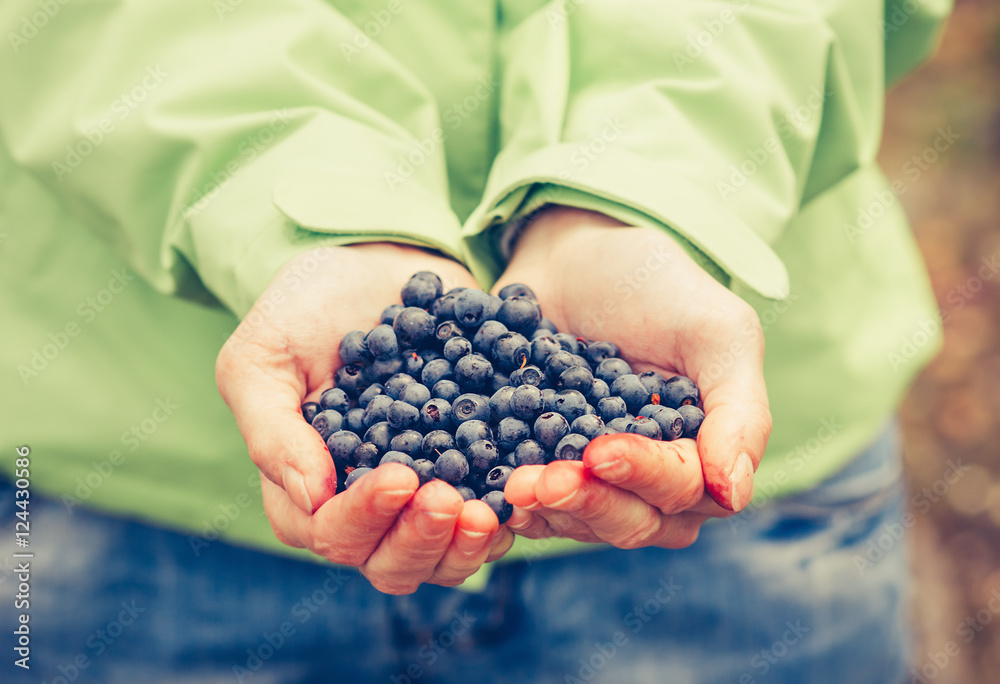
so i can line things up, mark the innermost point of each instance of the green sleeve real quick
(716, 121)
(912, 29)
(208, 143)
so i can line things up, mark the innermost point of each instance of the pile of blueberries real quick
(466, 386)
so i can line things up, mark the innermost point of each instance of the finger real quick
(472, 543)
(521, 492)
(409, 553)
(737, 424)
(667, 475)
(615, 515)
(520, 488)
(265, 400)
(349, 527)
(289, 522)
(528, 524)
(502, 542)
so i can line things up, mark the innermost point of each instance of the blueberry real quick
(435, 414)
(435, 443)
(446, 331)
(606, 430)
(443, 307)
(410, 442)
(415, 394)
(571, 404)
(620, 424)
(424, 470)
(567, 342)
(310, 409)
(680, 391)
(548, 399)
(508, 460)
(543, 347)
(349, 378)
(370, 392)
(355, 475)
(510, 432)
(473, 372)
(610, 408)
(431, 276)
(435, 371)
(429, 355)
(336, 399)
(550, 428)
(353, 349)
(446, 389)
(520, 314)
(529, 375)
(414, 327)
(516, 290)
(526, 403)
(413, 364)
(510, 350)
(529, 452)
(647, 427)
(576, 378)
(570, 448)
(497, 478)
(498, 503)
(327, 422)
(599, 351)
(457, 347)
(354, 420)
(631, 389)
(653, 382)
(495, 304)
(366, 455)
(420, 292)
(389, 314)
(401, 415)
(598, 390)
(472, 431)
(482, 456)
(587, 425)
(467, 494)
(451, 466)
(499, 380)
(500, 404)
(376, 409)
(610, 370)
(558, 362)
(472, 307)
(342, 445)
(548, 326)
(486, 336)
(395, 384)
(381, 369)
(693, 417)
(380, 435)
(382, 342)
(396, 457)
(671, 422)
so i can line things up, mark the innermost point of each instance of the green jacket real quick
(160, 161)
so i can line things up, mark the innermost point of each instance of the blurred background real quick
(953, 410)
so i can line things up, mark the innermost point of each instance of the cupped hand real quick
(285, 352)
(636, 287)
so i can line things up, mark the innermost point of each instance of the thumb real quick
(287, 449)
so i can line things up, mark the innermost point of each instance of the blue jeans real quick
(790, 593)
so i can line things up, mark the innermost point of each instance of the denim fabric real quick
(773, 596)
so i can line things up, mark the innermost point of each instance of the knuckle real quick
(684, 537)
(685, 496)
(640, 535)
(391, 585)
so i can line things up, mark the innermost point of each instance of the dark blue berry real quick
(342, 445)
(451, 466)
(376, 409)
(435, 414)
(380, 434)
(693, 417)
(415, 394)
(365, 455)
(548, 326)
(414, 327)
(436, 442)
(424, 470)
(413, 364)
(570, 448)
(598, 390)
(443, 307)
(499, 380)
(497, 478)
(353, 349)
(336, 399)
(486, 336)
(610, 408)
(382, 342)
(620, 424)
(470, 406)
(567, 342)
(631, 389)
(526, 403)
(548, 399)
(510, 350)
(355, 475)
(395, 384)
(610, 370)
(647, 427)
(435, 371)
(558, 362)
(354, 420)
(599, 351)
(653, 382)
(467, 494)
(576, 378)
(389, 314)
(472, 431)
(401, 415)
(310, 409)
(510, 432)
(396, 457)
(457, 347)
(327, 422)
(543, 347)
(680, 391)
(550, 428)
(473, 372)
(420, 292)
(410, 442)
(472, 307)
(516, 290)
(571, 404)
(482, 456)
(500, 404)
(587, 425)
(498, 503)
(370, 392)
(529, 375)
(520, 314)
(529, 452)
(446, 389)
(380, 370)
(447, 330)
(671, 422)
(350, 378)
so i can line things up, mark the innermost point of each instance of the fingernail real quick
(569, 501)
(531, 506)
(389, 502)
(614, 471)
(295, 485)
(434, 523)
(468, 541)
(741, 482)
(520, 518)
